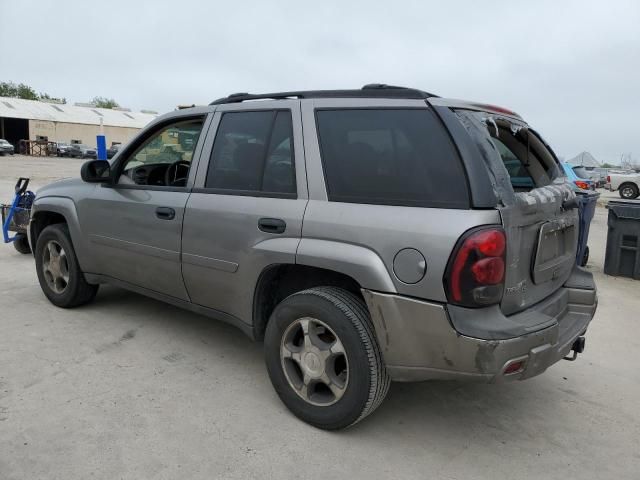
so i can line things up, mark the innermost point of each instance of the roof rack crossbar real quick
(241, 97)
(371, 90)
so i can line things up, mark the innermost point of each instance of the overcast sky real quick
(572, 69)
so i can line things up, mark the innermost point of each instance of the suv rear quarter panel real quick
(382, 231)
(374, 234)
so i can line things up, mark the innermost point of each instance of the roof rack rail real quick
(371, 90)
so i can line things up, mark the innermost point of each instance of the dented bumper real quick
(423, 340)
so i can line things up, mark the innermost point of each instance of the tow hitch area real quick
(576, 348)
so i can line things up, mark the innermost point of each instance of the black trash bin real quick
(587, 209)
(623, 239)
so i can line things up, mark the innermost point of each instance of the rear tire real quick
(59, 274)
(331, 373)
(629, 191)
(21, 244)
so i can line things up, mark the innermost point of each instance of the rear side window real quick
(253, 152)
(390, 157)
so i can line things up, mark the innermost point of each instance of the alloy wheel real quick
(627, 192)
(55, 266)
(314, 361)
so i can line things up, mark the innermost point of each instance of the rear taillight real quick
(475, 274)
(608, 179)
(581, 184)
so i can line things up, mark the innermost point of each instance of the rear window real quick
(390, 157)
(517, 170)
(582, 172)
(526, 157)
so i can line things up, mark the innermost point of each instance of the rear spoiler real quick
(467, 105)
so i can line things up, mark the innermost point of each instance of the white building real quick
(584, 159)
(34, 120)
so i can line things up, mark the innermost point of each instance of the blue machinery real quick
(15, 217)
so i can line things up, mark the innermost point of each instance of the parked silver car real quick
(6, 147)
(365, 235)
(80, 150)
(63, 149)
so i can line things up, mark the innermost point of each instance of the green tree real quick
(20, 90)
(26, 92)
(7, 89)
(10, 89)
(102, 102)
(608, 165)
(46, 96)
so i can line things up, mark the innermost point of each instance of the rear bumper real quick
(419, 341)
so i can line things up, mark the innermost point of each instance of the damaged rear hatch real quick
(535, 202)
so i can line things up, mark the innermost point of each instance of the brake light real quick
(495, 108)
(608, 179)
(581, 184)
(475, 275)
(491, 243)
(488, 271)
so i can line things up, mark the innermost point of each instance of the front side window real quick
(253, 152)
(164, 158)
(390, 157)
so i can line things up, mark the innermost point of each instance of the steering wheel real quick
(173, 176)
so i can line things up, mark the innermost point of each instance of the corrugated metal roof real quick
(584, 159)
(34, 110)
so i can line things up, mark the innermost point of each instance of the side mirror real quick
(96, 171)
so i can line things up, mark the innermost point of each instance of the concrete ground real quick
(131, 388)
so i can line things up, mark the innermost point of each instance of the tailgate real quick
(542, 235)
(542, 238)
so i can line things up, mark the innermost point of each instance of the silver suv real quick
(365, 235)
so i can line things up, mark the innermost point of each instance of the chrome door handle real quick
(272, 225)
(165, 213)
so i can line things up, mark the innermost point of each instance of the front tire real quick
(59, 274)
(323, 358)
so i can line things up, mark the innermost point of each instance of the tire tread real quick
(356, 311)
(85, 292)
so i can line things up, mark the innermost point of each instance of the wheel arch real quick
(51, 210)
(277, 281)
